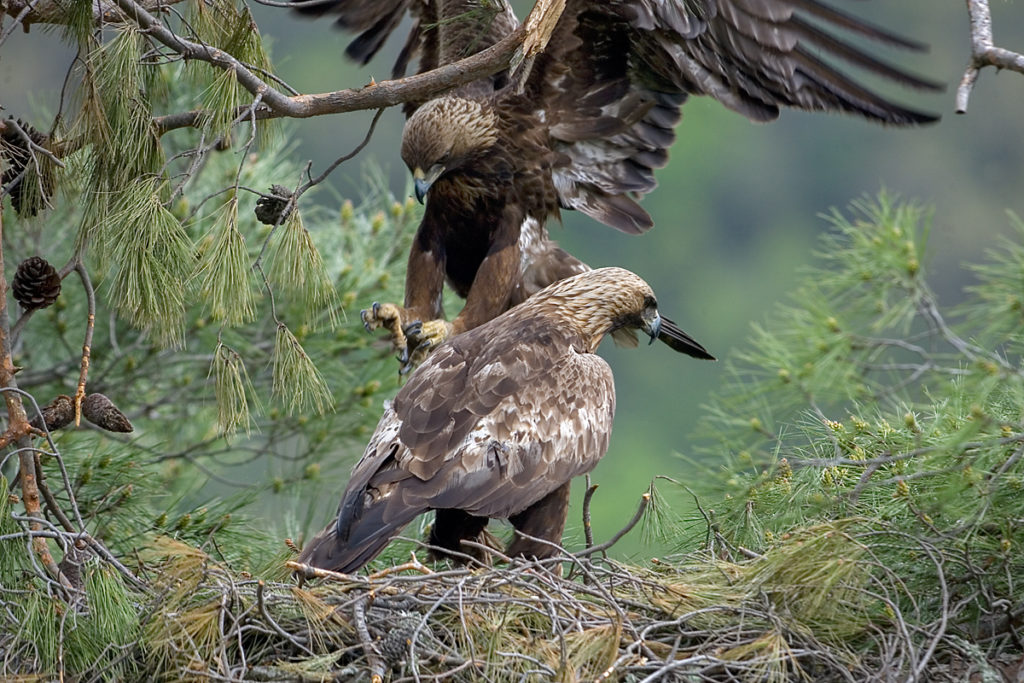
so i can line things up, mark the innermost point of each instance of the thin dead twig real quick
(645, 500)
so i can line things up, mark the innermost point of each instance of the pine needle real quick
(297, 271)
(220, 103)
(224, 270)
(297, 381)
(233, 390)
(11, 550)
(152, 256)
(115, 115)
(110, 626)
(246, 44)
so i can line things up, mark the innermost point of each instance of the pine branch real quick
(17, 422)
(373, 96)
(29, 12)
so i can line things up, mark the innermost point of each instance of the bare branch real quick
(983, 52)
(644, 502)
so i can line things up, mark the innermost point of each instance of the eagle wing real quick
(615, 74)
(492, 422)
(510, 414)
(442, 31)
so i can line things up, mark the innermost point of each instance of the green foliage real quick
(115, 116)
(297, 270)
(231, 27)
(151, 259)
(233, 389)
(220, 102)
(224, 270)
(998, 309)
(12, 551)
(296, 379)
(861, 402)
(97, 640)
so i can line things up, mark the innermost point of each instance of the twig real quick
(983, 52)
(55, 12)
(588, 531)
(340, 160)
(90, 295)
(413, 565)
(51, 502)
(373, 657)
(308, 571)
(262, 605)
(487, 549)
(644, 502)
(376, 96)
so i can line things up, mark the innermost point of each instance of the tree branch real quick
(18, 423)
(28, 12)
(90, 324)
(983, 52)
(374, 96)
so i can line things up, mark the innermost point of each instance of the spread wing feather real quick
(492, 422)
(615, 74)
(634, 63)
(442, 31)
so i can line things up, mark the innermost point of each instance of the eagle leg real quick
(451, 527)
(421, 339)
(388, 316)
(544, 520)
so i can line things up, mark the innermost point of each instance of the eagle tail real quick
(367, 535)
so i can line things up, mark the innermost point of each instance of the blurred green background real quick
(736, 214)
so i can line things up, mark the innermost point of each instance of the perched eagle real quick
(495, 159)
(496, 423)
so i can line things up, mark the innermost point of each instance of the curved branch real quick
(373, 96)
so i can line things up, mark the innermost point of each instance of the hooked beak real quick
(652, 327)
(422, 181)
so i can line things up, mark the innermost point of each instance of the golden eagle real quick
(585, 130)
(495, 423)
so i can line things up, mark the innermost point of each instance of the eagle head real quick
(611, 301)
(443, 135)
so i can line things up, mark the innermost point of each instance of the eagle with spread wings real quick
(496, 423)
(499, 157)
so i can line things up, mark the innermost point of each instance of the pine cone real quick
(273, 209)
(58, 413)
(394, 647)
(102, 412)
(25, 197)
(36, 283)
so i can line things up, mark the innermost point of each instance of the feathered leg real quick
(451, 527)
(545, 520)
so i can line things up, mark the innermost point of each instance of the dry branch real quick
(983, 52)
